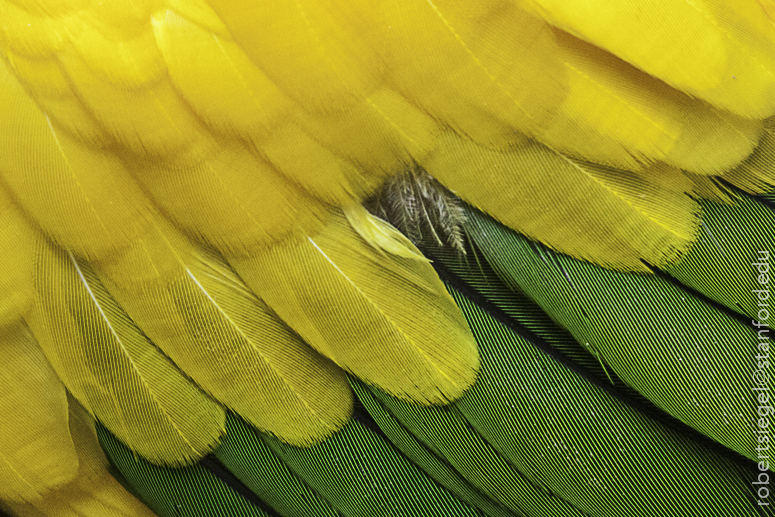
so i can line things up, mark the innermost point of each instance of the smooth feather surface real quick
(735, 72)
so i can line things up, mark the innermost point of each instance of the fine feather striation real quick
(248, 125)
(652, 333)
(374, 307)
(261, 132)
(535, 436)
(230, 344)
(757, 173)
(17, 245)
(36, 450)
(93, 492)
(268, 478)
(575, 457)
(610, 217)
(112, 368)
(732, 252)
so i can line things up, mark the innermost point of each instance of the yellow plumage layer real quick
(653, 220)
(92, 491)
(735, 71)
(316, 283)
(36, 451)
(112, 368)
(180, 184)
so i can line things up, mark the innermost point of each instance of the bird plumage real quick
(189, 261)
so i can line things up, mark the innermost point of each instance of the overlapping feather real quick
(92, 491)
(179, 171)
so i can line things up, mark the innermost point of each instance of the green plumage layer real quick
(720, 264)
(174, 492)
(688, 357)
(356, 472)
(542, 440)
(535, 436)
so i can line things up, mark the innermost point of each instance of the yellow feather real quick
(34, 34)
(617, 115)
(325, 66)
(385, 318)
(707, 187)
(226, 195)
(259, 127)
(112, 368)
(123, 55)
(325, 175)
(47, 82)
(36, 451)
(380, 135)
(757, 173)
(17, 246)
(217, 79)
(230, 344)
(236, 98)
(470, 72)
(199, 12)
(380, 235)
(610, 217)
(612, 113)
(714, 141)
(94, 492)
(735, 72)
(85, 199)
(152, 119)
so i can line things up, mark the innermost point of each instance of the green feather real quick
(175, 492)
(356, 471)
(653, 334)
(720, 263)
(532, 428)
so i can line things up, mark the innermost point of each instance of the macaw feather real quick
(93, 491)
(475, 449)
(564, 202)
(370, 309)
(721, 264)
(182, 236)
(735, 71)
(692, 346)
(112, 368)
(36, 450)
(551, 467)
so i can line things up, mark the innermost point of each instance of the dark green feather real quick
(689, 358)
(721, 264)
